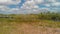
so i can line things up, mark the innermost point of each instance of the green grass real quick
(49, 23)
(6, 27)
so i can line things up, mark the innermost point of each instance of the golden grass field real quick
(29, 28)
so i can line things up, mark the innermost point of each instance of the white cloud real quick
(39, 1)
(47, 5)
(56, 4)
(51, 0)
(3, 1)
(30, 6)
(4, 8)
(8, 2)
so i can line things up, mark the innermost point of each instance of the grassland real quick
(13, 22)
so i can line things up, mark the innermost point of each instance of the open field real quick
(42, 27)
(29, 28)
(29, 24)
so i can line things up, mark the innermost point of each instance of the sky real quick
(28, 6)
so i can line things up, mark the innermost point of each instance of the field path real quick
(30, 29)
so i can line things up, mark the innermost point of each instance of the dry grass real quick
(29, 28)
(34, 29)
(27, 25)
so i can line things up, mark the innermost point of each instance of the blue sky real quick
(28, 6)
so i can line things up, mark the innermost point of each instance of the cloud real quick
(56, 4)
(29, 6)
(51, 0)
(4, 8)
(38, 1)
(8, 2)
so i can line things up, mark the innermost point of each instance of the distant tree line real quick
(49, 16)
(30, 17)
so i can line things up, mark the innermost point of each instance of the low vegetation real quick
(44, 19)
(30, 17)
(50, 19)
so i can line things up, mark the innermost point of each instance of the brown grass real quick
(30, 29)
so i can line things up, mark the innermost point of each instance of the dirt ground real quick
(30, 29)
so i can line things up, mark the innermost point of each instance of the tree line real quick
(49, 16)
